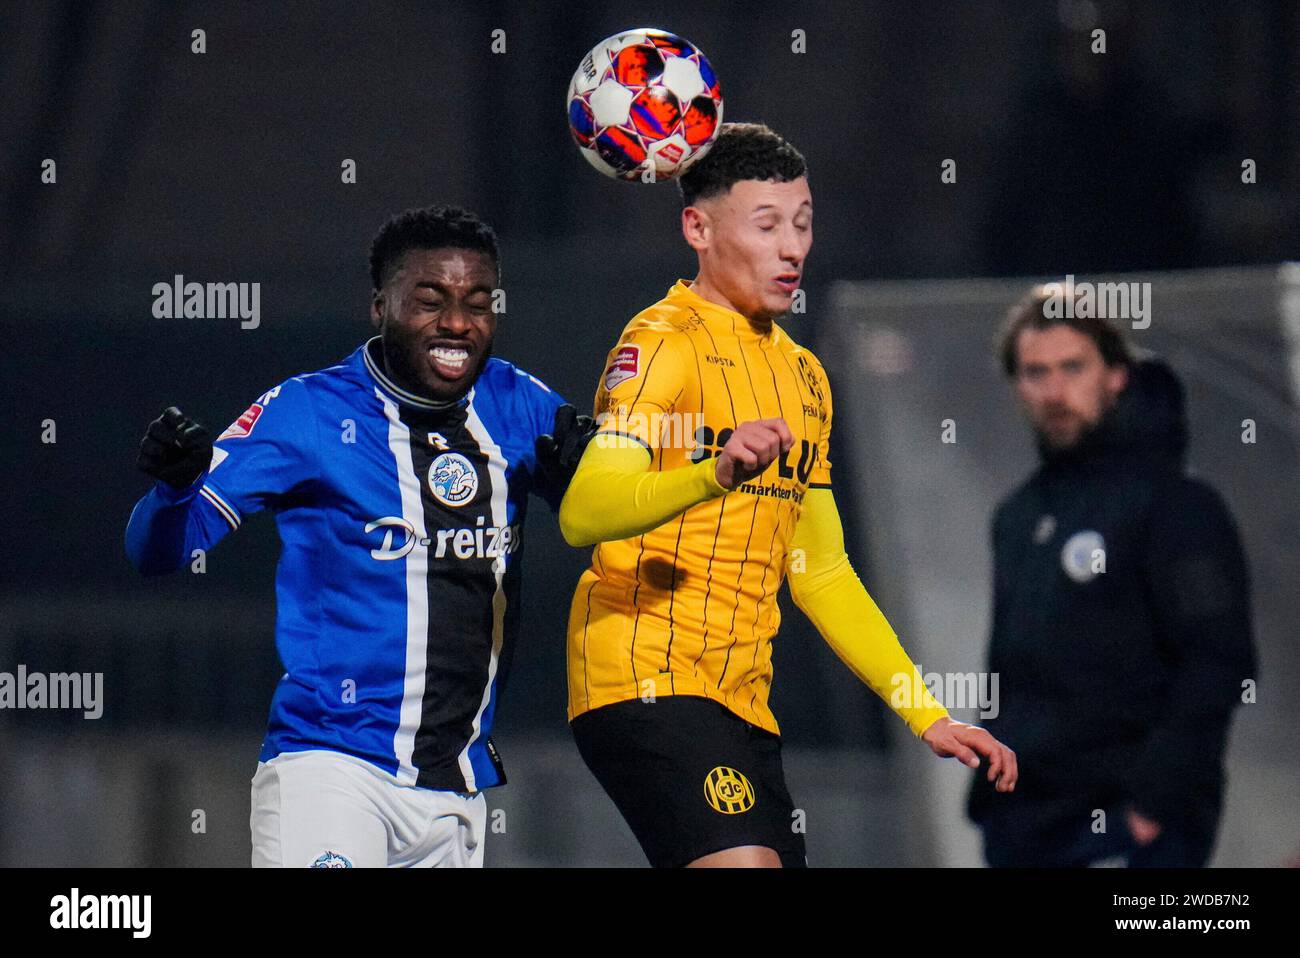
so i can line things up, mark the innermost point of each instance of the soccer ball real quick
(644, 105)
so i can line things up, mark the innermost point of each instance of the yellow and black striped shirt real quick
(690, 608)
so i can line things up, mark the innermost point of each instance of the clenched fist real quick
(176, 449)
(752, 448)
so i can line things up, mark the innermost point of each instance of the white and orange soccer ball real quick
(644, 105)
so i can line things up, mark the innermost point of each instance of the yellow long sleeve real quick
(614, 496)
(828, 591)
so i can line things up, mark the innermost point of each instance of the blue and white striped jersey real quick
(397, 587)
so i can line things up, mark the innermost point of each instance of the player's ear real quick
(377, 310)
(1117, 378)
(696, 227)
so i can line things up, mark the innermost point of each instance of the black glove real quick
(176, 449)
(558, 452)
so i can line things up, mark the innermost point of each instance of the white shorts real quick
(323, 809)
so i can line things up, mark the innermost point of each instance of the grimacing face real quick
(752, 242)
(436, 321)
(1063, 384)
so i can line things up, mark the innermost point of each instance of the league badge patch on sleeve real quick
(242, 426)
(625, 365)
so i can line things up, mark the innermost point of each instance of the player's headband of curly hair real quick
(742, 151)
(434, 227)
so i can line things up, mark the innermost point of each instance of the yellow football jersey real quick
(690, 608)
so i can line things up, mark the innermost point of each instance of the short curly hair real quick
(742, 151)
(434, 227)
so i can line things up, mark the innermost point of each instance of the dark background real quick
(225, 167)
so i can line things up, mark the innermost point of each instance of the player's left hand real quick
(559, 451)
(967, 743)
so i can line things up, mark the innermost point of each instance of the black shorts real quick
(690, 778)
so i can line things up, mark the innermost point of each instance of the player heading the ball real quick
(671, 628)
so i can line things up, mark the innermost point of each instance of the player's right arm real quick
(615, 494)
(268, 452)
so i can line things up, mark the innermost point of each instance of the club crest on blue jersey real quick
(453, 479)
(331, 860)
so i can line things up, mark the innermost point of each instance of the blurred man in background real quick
(1121, 621)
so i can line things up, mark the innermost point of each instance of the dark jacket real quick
(1117, 685)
